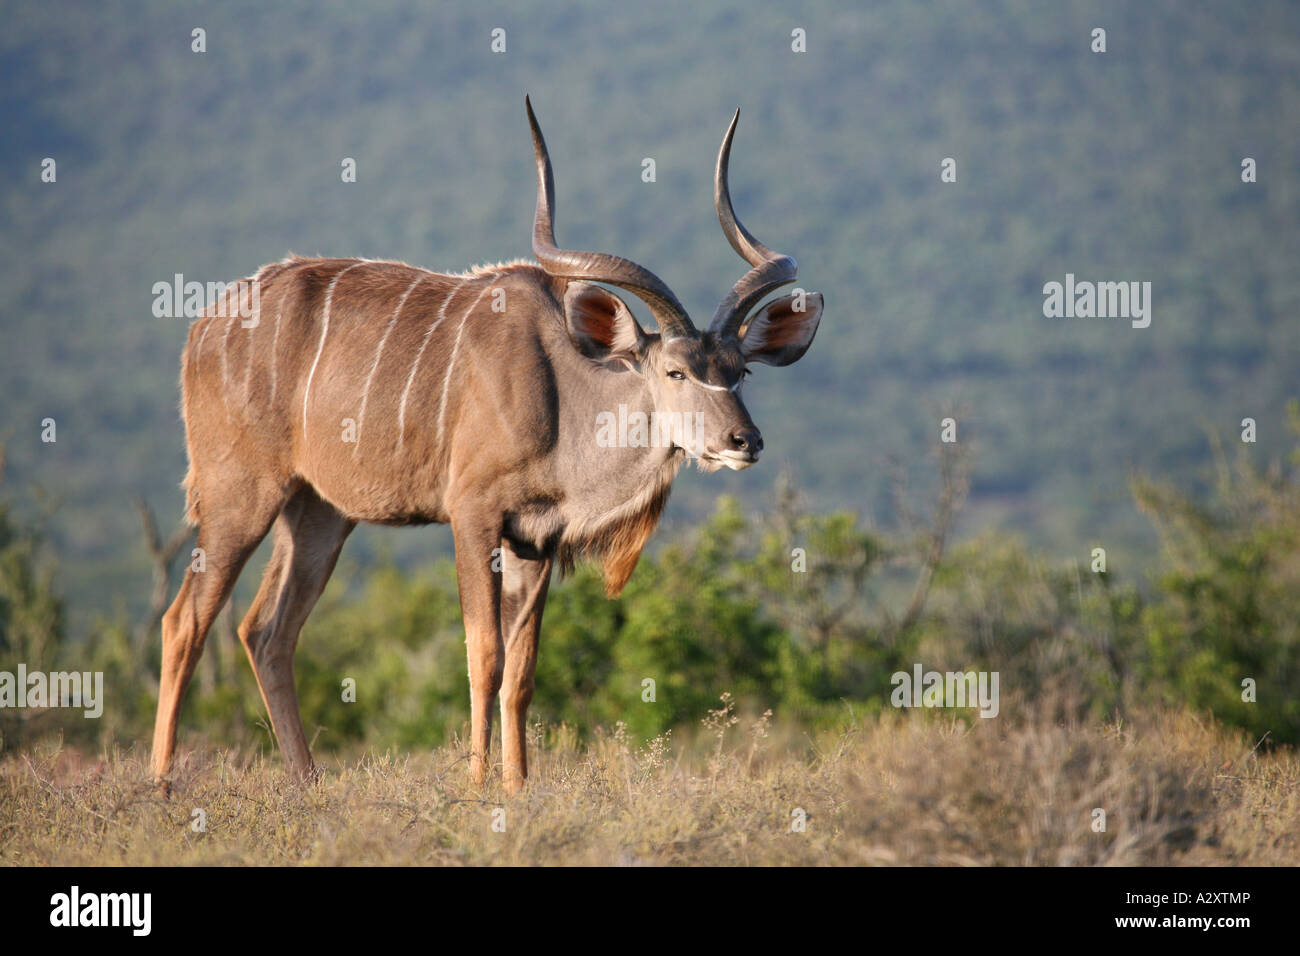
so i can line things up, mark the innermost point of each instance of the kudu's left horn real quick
(596, 266)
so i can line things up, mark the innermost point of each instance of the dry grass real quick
(897, 790)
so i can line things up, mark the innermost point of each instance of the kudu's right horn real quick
(771, 269)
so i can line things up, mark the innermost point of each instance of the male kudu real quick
(377, 391)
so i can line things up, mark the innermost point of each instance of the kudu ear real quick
(781, 331)
(600, 325)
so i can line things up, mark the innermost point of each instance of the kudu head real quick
(694, 378)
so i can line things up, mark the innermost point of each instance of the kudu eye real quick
(677, 375)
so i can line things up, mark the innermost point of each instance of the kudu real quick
(473, 400)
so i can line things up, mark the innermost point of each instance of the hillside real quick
(1122, 166)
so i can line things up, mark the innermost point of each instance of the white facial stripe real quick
(717, 388)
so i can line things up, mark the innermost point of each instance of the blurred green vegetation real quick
(807, 614)
(1120, 166)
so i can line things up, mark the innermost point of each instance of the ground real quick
(899, 789)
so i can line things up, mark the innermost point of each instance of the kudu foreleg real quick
(524, 584)
(479, 583)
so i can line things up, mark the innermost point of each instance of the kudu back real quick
(496, 401)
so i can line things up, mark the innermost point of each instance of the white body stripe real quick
(225, 364)
(374, 365)
(451, 362)
(410, 379)
(325, 329)
(275, 341)
(207, 324)
(248, 344)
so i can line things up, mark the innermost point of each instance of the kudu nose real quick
(748, 440)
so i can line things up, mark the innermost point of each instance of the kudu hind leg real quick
(524, 584)
(309, 535)
(226, 539)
